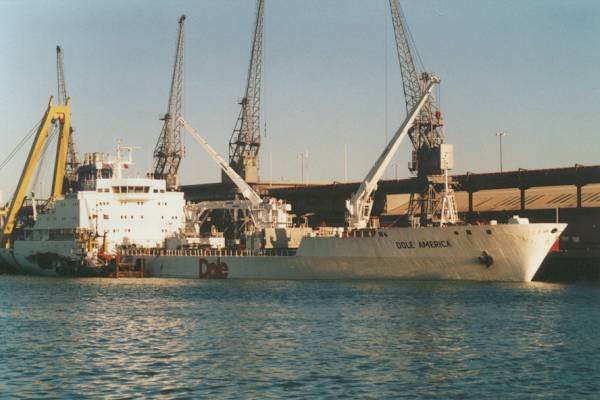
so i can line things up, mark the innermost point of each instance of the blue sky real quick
(529, 68)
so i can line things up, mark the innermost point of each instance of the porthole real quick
(469, 232)
(456, 232)
(488, 231)
(554, 230)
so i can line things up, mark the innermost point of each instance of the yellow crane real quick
(62, 114)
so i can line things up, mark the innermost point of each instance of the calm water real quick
(260, 339)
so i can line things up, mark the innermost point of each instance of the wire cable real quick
(19, 145)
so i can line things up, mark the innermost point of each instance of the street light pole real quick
(345, 163)
(500, 135)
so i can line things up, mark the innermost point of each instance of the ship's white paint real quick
(405, 253)
(115, 211)
(144, 218)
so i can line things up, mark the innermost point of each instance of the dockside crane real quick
(72, 159)
(359, 206)
(168, 151)
(431, 158)
(244, 143)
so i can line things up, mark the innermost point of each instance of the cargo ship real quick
(113, 219)
(105, 219)
(275, 249)
(510, 252)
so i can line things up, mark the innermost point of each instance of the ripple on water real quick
(232, 339)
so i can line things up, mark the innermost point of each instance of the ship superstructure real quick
(85, 229)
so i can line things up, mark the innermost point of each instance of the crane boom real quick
(60, 77)
(360, 204)
(71, 159)
(408, 70)
(168, 151)
(62, 113)
(244, 188)
(245, 139)
(426, 134)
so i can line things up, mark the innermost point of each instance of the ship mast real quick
(168, 151)
(430, 155)
(245, 139)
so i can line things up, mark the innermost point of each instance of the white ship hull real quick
(515, 251)
(451, 253)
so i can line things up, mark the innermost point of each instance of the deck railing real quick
(209, 252)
